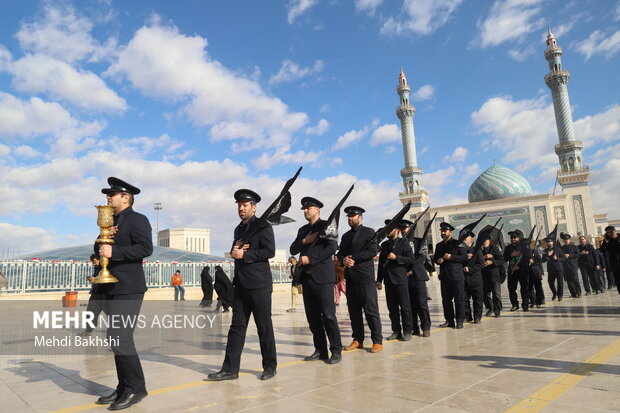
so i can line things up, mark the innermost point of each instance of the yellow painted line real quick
(211, 404)
(400, 355)
(552, 391)
(191, 409)
(247, 397)
(89, 406)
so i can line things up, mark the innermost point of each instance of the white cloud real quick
(420, 17)
(389, 150)
(5, 58)
(32, 117)
(509, 20)
(25, 151)
(425, 92)
(600, 43)
(521, 55)
(62, 34)
(605, 200)
(162, 63)
(324, 108)
(349, 138)
(44, 74)
(514, 126)
(367, 6)
(291, 71)
(296, 8)
(321, 127)
(283, 157)
(24, 239)
(458, 155)
(387, 133)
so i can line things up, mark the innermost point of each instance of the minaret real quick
(411, 173)
(573, 175)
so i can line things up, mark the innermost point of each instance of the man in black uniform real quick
(571, 254)
(518, 255)
(554, 258)
(132, 243)
(537, 294)
(472, 271)
(357, 255)
(451, 255)
(611, 246)
(96, 302)
(318, 277)
(253, 287)
(416, 280)
(394, 258)
(491, 278)
(587, 261)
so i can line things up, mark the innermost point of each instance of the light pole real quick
(157, 209)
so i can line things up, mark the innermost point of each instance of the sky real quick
(191, 100)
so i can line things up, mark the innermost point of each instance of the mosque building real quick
(502, 192)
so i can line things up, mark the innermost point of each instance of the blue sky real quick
(191, 100)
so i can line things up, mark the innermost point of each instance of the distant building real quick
(188, 239)
(502, 192)
(279, 257)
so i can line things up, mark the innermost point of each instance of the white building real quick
(188, 239)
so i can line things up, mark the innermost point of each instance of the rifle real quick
(383, 232)
(410, 235)
(273, 214)
(479, 247)
(529, 241)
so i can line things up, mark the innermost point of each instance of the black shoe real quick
(525, 309)
(267, 374)
(489, 313)
(394, 336)
(429, 299)
(470, 319)
(477, 321)
(127, 400)
(497, 315)
(559, 298)
(514, 308)
(315, 356)
(406, 337)
(335, 358)
(426, 333)
(587, 293)
(459, 324)
(446, 324)
(108, 399)
(415, 333)
(554, 297)
(222, 375)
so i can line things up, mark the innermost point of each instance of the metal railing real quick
(37, 276)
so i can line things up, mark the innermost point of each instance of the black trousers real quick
(247, 302)
(96, 304)
(321, 315)
(537, 294)
(399, 308)
(128, 367)
(610, 278)
(492, 294)
(363, 297)
(553, 278)
(418, 298)
(588, 278)
(453, 300)
(572, 279)
(522, 279)
(473, 293)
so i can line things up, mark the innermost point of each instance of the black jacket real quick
(536, 268)
(554, 265)
(253, 270)
(133, 242)
(522, 261)
(223, 287)
(451, 270)
(611, 246)
(587, 260)
(474, 265)
(417, 266)
(492, 272)
(394, 272)
(573, 255)
(321, 268)
(355, 243)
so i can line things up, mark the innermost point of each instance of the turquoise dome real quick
(498, 182)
